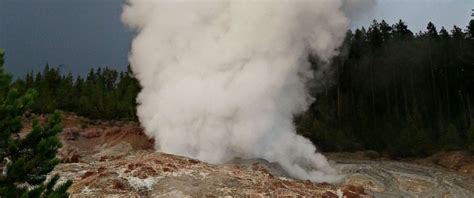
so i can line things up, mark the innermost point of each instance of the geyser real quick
(224, 78)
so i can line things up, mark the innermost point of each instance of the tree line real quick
(104, 94)
(392, 90)
(389, 90)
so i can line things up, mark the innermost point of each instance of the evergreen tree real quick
(26, 161)
(407, 94)
(375, 35)
(444, 34)
(431, 32)
(457, 33)
(401, 31)
(470, 30)
(386, 30)
(389, 90)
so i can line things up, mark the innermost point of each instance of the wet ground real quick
(399, 179)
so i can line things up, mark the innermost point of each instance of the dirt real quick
(445, 174)
(116, 159)
(459, 161)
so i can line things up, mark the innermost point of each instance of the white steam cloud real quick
(224, 78)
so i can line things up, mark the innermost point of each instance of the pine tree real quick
(470, 30)
(386, 30)
(444, 34)
(375, 35)
(457, 33)
(401, 31)
(431, 31)
(26, 161)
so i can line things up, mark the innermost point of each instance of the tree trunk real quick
(387, 101)
(338, 94)
(466, 125)
(373, 98)
(469, 106)
(448, 105)
(435, 96)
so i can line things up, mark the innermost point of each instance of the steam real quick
(357, 8)
(223, 78)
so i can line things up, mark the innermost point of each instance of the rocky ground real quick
(386, 178)
(115, 159)
(461, 162)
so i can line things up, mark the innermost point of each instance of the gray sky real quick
(417, 13)
(80, 34)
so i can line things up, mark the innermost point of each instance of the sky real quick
(77, 35)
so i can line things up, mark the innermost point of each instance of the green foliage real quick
(26, 161)
(470, 29)
(412, 140)
(450, 138)
(393, 91)
(103, 94)
(397, 92)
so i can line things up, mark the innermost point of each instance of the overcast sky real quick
(80, 34)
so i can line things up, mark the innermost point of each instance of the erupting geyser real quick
(223, 78)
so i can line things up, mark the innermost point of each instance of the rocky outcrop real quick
(398, 179)
(434, 176)
(68, 155)
(151, 174)
(116, 159)
(460, 161)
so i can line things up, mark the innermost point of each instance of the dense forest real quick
(393, 90)
(390, 90)
(104, 94)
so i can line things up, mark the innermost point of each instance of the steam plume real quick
(223, 79)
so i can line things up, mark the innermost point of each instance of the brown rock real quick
(144, 172)
(71, 134)
(68, 155)
(329, 194)
(101, 169)
(355, 189)
(87, 174)
(103, 158)
(454, 159)
(192, 161)
(120, 184)
(260, 168)
(91, 133)
(467, 168)
(118, 160)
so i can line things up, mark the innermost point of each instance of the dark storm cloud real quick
(76, 34)
(80, 34)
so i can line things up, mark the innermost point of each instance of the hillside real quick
(113, 158)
